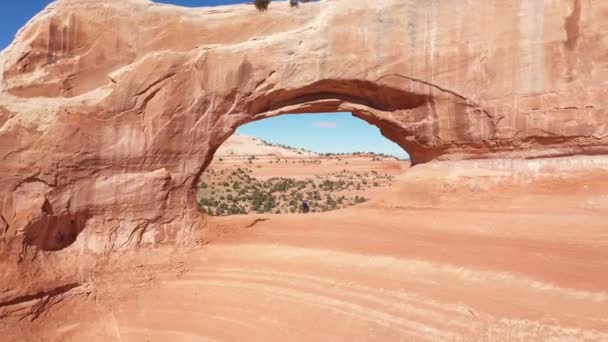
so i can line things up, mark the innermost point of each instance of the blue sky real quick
(323, 132)
(326, 132)
(14, 14)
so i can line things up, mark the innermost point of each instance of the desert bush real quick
(360, 199)
(331, 203)
(327, 185)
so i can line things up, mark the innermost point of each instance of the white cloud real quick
(324, 124)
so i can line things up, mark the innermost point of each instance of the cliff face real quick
(110, 111)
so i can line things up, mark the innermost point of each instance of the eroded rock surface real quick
(109, 111)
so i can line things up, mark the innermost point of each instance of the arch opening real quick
(299, 163)
(407, 111)
(404, 110)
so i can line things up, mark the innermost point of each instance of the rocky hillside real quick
(242, 145)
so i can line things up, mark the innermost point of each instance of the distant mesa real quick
(239, 145)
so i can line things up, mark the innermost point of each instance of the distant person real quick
(305, 207)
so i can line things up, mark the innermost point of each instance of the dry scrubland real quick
(252, 183)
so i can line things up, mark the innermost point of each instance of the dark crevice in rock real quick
(149, 97)
(166, 77)
(256, 221)
(466, 100)
(33, 179)
(55, 231)
(4, 226)
(40, 295)
(571, 25)
(432, 85)
(263, 82)
(137, 233)
(47, 208)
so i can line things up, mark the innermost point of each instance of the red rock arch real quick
(110, 113)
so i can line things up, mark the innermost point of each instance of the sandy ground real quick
(461, 264)
(379, 275)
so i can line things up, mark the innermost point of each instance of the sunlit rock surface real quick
(110, 111)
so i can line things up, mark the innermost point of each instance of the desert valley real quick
(248, 175)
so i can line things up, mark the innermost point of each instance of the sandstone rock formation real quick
(475, 250)
(110, 111)
(239, 145)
